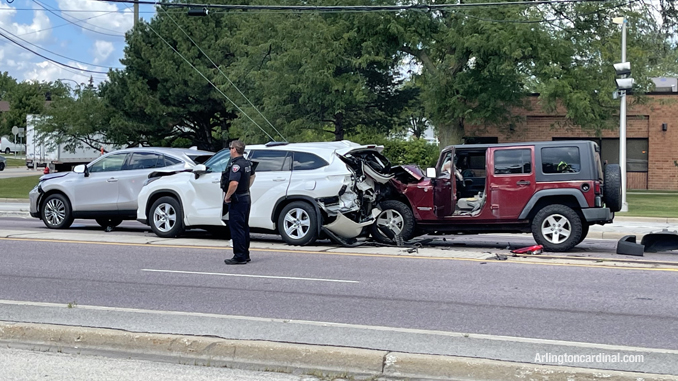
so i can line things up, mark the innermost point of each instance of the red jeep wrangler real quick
(555, 190)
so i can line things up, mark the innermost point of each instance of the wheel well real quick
(543, 202)
(49, 193)
(286, 201)
(155, 196)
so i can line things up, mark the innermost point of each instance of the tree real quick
(159, 96)
(80, 119)
(480, 63)
(27, 98)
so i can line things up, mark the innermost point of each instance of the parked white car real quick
(302, 191)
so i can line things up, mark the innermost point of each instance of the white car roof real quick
(324, 149)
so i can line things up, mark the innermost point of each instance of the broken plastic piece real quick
(536, 249)
(664, 240)
(628, 246)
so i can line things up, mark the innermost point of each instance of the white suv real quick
(302, 191)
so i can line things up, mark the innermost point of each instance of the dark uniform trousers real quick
(238, 221)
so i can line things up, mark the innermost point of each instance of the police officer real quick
(240, 177)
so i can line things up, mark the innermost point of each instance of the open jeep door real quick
(444, 195)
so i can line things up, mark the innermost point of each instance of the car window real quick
(167, 161)
(199, 159)
(305, 161)
(270, 161)
(112, 162)
(560, 160)
(511, 161)
(219, 162)
(143, 160)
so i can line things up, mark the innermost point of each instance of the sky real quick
(83, 34)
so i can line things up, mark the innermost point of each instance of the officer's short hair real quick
(238, 145)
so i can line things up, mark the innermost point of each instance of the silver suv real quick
(107, 188)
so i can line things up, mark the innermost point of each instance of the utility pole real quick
(622, 117)
(136, 13)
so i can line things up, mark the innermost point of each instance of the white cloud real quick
(46, 71)
(102, 50)
(98, 15)
(31, 32)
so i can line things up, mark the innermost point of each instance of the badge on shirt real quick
(236, 168)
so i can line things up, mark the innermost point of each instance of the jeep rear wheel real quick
(612, 187)
(557, 228)
(395, 217)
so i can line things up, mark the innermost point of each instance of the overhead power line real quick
(53, 11)
(361, 8)
(49, 59)
(49, 51)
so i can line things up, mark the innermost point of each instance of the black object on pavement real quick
(664, 240)
(628, 246)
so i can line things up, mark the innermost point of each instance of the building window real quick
(636, 153)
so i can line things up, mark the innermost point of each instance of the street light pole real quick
(622, 119)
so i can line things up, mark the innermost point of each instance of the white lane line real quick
(252, 276)
(464, 336)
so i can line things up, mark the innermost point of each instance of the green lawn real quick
(12, 162)
(17, 187)
(652, 204)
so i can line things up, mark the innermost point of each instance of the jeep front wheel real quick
(395, 218)
(557, 228)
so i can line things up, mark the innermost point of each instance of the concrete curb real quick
(286, 357)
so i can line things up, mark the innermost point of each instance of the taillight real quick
(596, 187)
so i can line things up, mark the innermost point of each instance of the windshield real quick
(219, 161)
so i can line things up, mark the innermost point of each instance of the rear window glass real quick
(512, 161)
(270, 161)
(560, 160)
(142, 160)
(169, 160)
(306, 161)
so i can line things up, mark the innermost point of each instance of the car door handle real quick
(112, 180)
(280, 179)
(216, 181)
(523, 182)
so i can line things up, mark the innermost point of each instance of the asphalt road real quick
(572, 303)
(433, 305)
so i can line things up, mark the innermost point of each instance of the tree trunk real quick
(339, 127)
(451, 133)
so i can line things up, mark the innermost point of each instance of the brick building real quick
(651, 144)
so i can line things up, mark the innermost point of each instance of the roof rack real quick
(274, 144)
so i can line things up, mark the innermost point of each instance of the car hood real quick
(55, 175)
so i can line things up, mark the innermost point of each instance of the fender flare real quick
(152, 195)
(310, 200)
(576, 193)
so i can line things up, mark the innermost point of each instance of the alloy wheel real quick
(297, 223)
(392, 220)
(556, 228)
(164, 217)
(55, 212)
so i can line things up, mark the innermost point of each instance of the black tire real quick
(166, 217)
(584, 232)
(398, 217)
(557, 228)
(612, 187)
(56, 212)
(105, 222)
(7, 151)
(298, 223)
(2, 166)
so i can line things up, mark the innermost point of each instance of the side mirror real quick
(200, 168)
(431, 172)
(82, 168)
